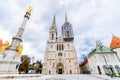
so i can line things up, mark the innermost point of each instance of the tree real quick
(24, 66)
(38, 66)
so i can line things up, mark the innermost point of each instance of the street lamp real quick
(104, 58)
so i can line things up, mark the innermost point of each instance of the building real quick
(115, 45)
(60, 56)
(103, 60)
(84, 67)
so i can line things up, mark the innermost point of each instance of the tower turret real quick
(18, 38)
(53, 31)
(67, 31)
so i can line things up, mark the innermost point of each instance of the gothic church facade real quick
(60, 56)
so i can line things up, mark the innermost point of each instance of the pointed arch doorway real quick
(59, 68)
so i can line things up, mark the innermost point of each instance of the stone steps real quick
(16, 76)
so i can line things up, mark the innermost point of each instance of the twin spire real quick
(66, 20)
(54, 21)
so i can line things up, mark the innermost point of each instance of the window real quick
(62, 47)
(57, 47)
(105, 68)
(68, 34)
(60, 54)
(117, 68)
(53, 64)
(52, 36)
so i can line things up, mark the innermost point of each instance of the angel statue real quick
(19, 49)
(4, 47)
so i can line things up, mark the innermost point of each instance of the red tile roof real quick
(115, 43)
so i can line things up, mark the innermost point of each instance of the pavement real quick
(55, 77)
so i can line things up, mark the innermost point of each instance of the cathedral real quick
(60, 56)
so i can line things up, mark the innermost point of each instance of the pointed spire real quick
(66, 20)
(54, 21)
(53, 26)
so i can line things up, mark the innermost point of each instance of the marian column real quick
(18, 38)
(11, 58)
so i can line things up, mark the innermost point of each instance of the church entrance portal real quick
(59, 68)
(60, 71)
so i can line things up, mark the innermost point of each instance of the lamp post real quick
(104, 58)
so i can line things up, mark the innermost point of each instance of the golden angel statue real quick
(4, 46)
(19, 49)
(29, 9)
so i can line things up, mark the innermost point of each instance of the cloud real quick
(92, 20)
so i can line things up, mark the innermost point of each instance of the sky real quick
(92, 20)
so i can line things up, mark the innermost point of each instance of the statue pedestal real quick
(9, 62)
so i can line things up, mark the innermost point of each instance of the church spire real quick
(53, 26)
(66, 20)
(67, 31)
(53, 31)
(54, 21)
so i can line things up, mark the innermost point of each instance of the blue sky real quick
(92, 20)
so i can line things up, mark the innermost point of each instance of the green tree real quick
(24, 66)
(38, 66)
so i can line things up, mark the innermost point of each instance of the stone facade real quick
(60, 56)
(103, 60)
(84, 67)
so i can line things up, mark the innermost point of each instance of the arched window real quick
(62, 47)
(117, 69)
(105, 68)
(60, 54)
(57, 47)
(68, 34)
(53, 64)
(52, 36)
